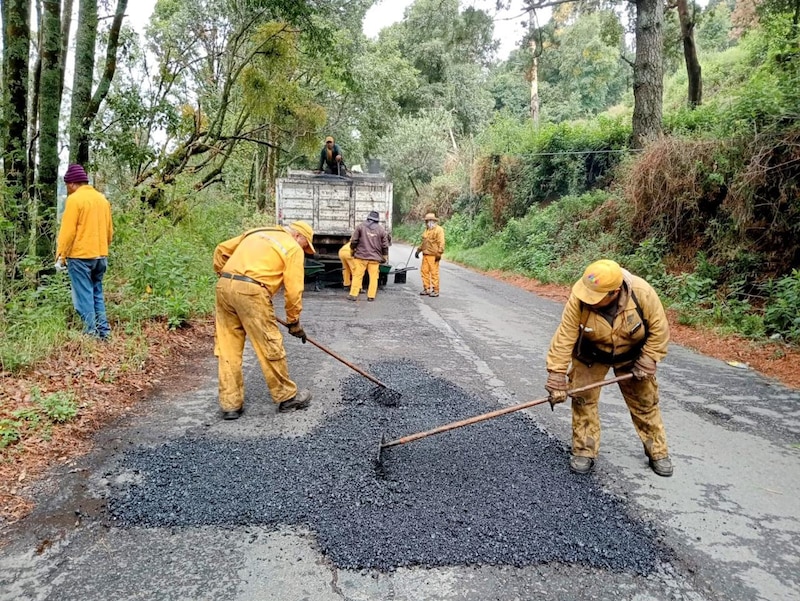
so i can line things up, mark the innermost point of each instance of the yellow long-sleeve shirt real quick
(270, 256)
(626, 331)
(86, 226)
(433, 241)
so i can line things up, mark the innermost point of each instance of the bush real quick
(782, 314)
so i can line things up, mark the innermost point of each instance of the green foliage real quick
(39, 417)
(164, 271)
(567, 159)
(57, 407)
(782, 312)
(34, 321)
(9, 432)
(551, 244)
(581, 75)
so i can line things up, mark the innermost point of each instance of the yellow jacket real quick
(86, 227)
(433, 241)
(623, 335)
(270, 256)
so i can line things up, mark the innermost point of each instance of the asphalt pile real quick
(498, 492)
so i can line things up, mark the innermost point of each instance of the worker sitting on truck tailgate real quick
(251, 268)
(370, 244)
(348, 263)
(432, 249)
(331, 158)
(612, 319)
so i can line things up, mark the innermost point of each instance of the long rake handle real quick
(338, 358)
(497, 413)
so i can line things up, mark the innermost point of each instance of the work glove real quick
(644, 367)
(556, 385)
(385, 258)
(296, 330)
(416, 254)
(60, 267)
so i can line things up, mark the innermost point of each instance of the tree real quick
(50, 103)
(451, 51)
(648, 72)
(85, 104)
(416, 149)
(82, 78)
(16, 38)
(693, 69)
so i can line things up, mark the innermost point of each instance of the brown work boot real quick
(300, 401)
(581, 465)
(662, 467)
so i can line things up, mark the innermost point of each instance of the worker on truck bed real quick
(251, 269)
(613, 319)
(432, 249)
(330, 157)
(370, 244)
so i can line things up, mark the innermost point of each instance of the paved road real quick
(729, 519)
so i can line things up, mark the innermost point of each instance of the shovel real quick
(384, 395)
(483, 417)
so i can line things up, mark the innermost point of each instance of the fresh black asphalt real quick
(498, 492)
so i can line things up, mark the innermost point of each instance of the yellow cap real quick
(431, 217)
(329, 139)
(600, 278)
(308, 233)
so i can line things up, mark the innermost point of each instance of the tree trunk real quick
(534, 85)
(693, 70)
(16, 22)
(66, 22)
(105, 81)
(648, 72)
(34, 88)
(48, 129)
(82, 79)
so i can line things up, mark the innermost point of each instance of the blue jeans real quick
(86, 276)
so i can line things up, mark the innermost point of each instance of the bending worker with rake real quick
(613, 319)
(251, 269)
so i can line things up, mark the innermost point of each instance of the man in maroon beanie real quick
(83, 240)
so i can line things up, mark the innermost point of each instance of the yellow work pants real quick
(348, 266)
(429, 270)
(641, 397)
(245, 309)
(372, 268)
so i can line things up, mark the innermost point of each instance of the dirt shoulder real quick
(108, 386)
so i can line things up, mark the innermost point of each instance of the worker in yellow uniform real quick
(348, 263)
(432, 249)
(612, 320)
(251, 269)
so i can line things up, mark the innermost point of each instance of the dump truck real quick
(333, 205)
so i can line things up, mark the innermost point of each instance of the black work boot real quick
(232, 414)
(581, 465)
(300, 401)
(662, 467)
